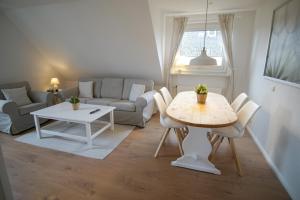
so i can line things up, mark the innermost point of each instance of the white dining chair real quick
(236, 105)
(235, 131)
(167, 123)
(168, 99)
(238, 102)
(166, 95)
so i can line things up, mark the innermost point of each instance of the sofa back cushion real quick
(149, 84)
(86, 89)
(14, 85)
(112, 88)
(17, 95)
(136, 91)
(96, 85)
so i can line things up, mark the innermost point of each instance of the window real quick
(192, 44)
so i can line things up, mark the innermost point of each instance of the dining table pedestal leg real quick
(196, 148)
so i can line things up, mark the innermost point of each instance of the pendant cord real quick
(205, 24)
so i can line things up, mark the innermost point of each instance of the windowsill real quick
(215, 70)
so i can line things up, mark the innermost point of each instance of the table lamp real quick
(55, 83)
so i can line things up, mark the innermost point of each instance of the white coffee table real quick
(64, 112)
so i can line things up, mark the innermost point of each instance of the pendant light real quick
(203, 59)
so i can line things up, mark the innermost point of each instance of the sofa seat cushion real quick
(123, 105)
(101, 101)
(26, 109)
(81, 99)
(112, 88)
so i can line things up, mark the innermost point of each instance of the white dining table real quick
(199, 118)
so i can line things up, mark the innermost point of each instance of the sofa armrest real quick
(67, 93)
(42, 97)
(140, 103)
(145, 103)
(9, 107)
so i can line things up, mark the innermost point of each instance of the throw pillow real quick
(86, 89)
(17, 95)
(136, 91)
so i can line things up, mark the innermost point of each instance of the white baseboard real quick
(271, 163)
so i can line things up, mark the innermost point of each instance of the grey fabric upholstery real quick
(101, 101)
(17, 95)
(14, 85)
(124, 105)
(149, 84)
(11, 119)
(112, 88)
(42, 97)
(112, 92)
(81, 99)
(67, 93)
(26, 109)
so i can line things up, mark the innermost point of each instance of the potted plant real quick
(75, 102)
(201, 91)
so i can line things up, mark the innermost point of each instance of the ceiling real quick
(27, 3)
(171, 5)
(105, 37)
(177, 6)
(91, 37)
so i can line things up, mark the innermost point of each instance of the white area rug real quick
(103, 144)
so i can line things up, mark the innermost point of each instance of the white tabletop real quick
(64, 112)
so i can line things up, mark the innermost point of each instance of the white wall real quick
(93, 37)
(241, 48)
(19, 60)
(276, 126)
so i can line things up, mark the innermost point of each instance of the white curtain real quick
(179, 24)
(226, 26)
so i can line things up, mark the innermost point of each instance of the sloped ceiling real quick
(91, 37)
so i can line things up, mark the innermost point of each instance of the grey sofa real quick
(13, 118)
(115, 92)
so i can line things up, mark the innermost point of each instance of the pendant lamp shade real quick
(204, 59)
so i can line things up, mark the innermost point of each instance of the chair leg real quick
(183, 133)
(209, 136)
(214, 139)
(215, 148)
(178, 134)
(235, 156)
(166, 133)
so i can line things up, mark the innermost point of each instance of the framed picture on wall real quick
(283, 58)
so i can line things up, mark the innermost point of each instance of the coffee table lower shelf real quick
(82, 132)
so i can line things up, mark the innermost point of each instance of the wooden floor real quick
(130, 172)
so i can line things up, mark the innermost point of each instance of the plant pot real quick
(201, 98)
(75, 106)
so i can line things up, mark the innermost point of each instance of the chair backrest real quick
(167, 96)
(246, 113)
(238, 102)
(161, 105)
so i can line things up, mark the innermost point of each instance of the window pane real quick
(192, 44)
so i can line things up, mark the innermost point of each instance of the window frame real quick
(218, 70)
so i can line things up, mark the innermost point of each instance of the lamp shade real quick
(203, 59)
(54, 81)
